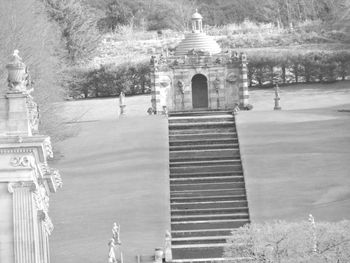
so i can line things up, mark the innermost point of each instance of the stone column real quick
(243, 85)
(24, 223)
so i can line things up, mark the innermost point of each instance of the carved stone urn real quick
(16, 73)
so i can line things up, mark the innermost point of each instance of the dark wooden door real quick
(199, 91)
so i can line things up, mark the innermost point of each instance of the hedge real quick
(109, 80)
(266, 69)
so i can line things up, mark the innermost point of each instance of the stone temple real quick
(199, 76)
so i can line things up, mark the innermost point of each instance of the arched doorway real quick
(199, 91)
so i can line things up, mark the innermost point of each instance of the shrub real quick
(291, 242)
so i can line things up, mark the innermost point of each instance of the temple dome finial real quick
(197, 39)
(196, 15)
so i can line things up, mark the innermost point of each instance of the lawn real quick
(296, 162)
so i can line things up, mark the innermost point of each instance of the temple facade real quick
(199, 75)
(26, 180)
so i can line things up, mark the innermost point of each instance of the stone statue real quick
(216, 83)
(277, 98)
(181, 85)
(122, 102)
(111, 254)
(277, 90)
(116, 233)
(114, 245)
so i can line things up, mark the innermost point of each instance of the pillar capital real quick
(12, 186)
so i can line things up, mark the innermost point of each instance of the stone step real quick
(203, 159)
(199, 113)
(203, 130)
(202, 232)
(195, 119)
(204, 147)
(197, 251)
(205, 193)
(203, 136)
(207, 218)
(191, 180)
(200, 240)
(190, 163)
(202, 125)
(205, 174)
(207, 168)
(207, 186)
(204, 153)
(175, 212)
(203, 141)
(212, 198)
(209, 205)
(209, 224)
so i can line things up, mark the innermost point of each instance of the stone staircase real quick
(207, 188)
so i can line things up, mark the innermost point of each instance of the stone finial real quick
(17, 74)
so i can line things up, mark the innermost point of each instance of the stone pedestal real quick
(277, 104)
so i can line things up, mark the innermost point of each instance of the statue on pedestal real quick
(114, 253)
(122, 103)
(277, 98)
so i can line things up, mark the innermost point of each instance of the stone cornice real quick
(27, 144)
(198, 59)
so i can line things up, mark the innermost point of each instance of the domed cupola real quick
(197, 40)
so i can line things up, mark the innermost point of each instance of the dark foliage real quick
(78, 28)
(110, 80)
(292, 67)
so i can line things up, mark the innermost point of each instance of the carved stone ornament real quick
(12, 185)
(243, 57)
(23, 161)
(231, 78)
(57, 178)
(216, 84)
(181, 86)
(41, 198)
(48, 148)
(46, 221)
(18, 76)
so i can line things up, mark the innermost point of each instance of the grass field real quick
(297, 161)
